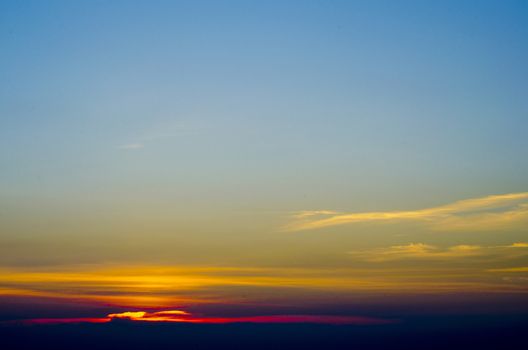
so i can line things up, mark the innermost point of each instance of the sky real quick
(245, 159)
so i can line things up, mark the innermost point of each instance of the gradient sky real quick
(266, 153)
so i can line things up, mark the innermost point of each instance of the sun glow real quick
(180, 316)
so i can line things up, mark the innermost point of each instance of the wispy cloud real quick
(483, 213)
(511, 269)
(431, 252)
(172, 129)
(161, 132)
(309, 213)
(131, 146)
(166, 286)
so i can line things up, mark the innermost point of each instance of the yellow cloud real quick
(308, 213)
(167, 286)
(511, 269)
(416, 251)
(160, 316)
(520, 245)
(491, 212)
(426, 251)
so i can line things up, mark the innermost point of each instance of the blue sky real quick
(262, 107)
(392, 97)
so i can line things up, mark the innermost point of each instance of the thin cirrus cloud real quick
(484, 213)
(131, 146)
(161, 132)
(309, 213)
(431, 252)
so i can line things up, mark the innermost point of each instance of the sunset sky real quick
(216, 161)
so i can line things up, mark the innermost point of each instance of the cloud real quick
(161, 132)
(159, 316)
(132, 146)
(172, 129)
(154, 286)
(308, 213)
(520, 245)
(511, 269)
(430, 252)
(485, 213)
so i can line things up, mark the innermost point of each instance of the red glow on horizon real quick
(185, 317)
(316, 319)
